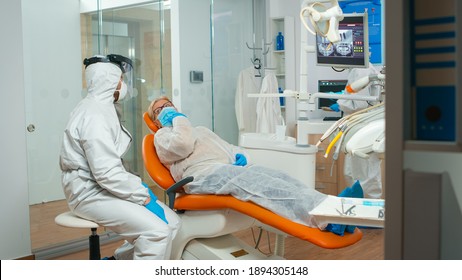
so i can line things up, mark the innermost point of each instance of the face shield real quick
(125, 64)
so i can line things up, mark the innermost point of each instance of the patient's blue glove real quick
(335, 107)
(167, 115)
(355, 191)
(240, 160)
(153, 206)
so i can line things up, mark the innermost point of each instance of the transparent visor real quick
(129, 81)
(124, 63)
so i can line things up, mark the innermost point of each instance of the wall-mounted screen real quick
(330, 86)
(353, 48)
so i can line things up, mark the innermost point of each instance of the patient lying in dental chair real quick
(221, 168)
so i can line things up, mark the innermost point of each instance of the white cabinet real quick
(283, 60)
(284, 63)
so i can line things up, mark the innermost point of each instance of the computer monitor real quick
(330, 86)
(353, 48)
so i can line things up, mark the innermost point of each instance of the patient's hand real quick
(241, 160)
(167, 115)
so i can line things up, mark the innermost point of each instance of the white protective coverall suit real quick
(198, 152)
(367, 171)
(96, 184)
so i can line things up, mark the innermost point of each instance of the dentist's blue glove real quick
(167, 115)
(355, 191)
(153, 206)
(240, 160)
(334, 107)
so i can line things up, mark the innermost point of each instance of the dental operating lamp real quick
(325, 20)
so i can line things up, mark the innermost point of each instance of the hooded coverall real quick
(96, 184)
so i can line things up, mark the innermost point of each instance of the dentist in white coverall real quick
(366, 171)
(96, 184)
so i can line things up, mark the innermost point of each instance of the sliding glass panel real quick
(141, 33)
(236, 24)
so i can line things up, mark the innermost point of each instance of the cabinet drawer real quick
(320, 156)
(327, 188)
(321, 148)
(323, 173)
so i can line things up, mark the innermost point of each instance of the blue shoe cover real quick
(350, 229)
(336, 228)
(355, 191)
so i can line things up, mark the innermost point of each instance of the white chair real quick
(69, 219)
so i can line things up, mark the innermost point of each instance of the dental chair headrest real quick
(149, 122)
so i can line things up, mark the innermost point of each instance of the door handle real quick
(31, 128)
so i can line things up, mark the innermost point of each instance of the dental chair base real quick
(207, 235)
(225, 247)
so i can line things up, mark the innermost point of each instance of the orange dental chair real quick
(224, 214)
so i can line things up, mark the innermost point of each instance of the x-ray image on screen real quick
(325, 47)
(353, 48)
(345, 46)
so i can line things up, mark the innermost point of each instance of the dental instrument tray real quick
(350, 211)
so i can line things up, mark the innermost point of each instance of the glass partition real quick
(236, 25)
(140, 32)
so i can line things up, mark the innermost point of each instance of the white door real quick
(53, 83)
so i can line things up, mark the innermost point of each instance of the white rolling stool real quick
(69, 219)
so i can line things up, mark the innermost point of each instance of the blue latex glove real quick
(153, 206)
(355, 191)
(167, 115)
(240, 160)
(335, 107)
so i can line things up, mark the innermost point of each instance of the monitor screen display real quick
(329, 86)
(353, 48)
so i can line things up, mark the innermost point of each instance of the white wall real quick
(14, 203)
(213, 99)
(451, 226)
(438, 162)
(191, 51)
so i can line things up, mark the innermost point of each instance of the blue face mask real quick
(166, 116)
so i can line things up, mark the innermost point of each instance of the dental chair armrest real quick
(171, 191)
